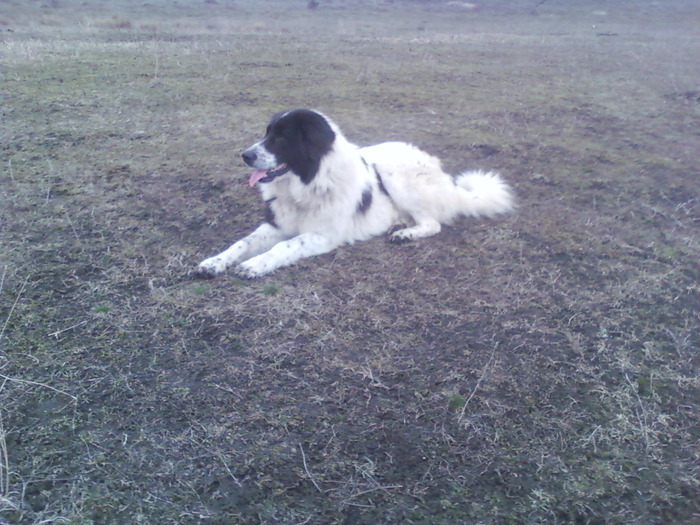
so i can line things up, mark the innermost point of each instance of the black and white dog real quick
(321, 191)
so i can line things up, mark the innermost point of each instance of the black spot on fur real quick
(299, 138)
(365, 201)
(269, 212)
(379, 181)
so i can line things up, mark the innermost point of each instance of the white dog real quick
(321, 191)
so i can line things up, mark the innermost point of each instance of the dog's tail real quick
(485, 193)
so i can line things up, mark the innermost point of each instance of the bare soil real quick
(537, 368)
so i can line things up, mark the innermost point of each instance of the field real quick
(537, 368)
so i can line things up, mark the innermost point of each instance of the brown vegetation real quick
(537, 368)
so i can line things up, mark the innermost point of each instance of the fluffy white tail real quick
(486, 193)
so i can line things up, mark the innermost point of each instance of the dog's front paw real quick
(248, 271)
(256, 267)
(401, 236)
(210, 268)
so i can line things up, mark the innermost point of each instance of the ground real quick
(538, 367)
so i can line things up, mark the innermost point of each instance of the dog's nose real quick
(249, 157)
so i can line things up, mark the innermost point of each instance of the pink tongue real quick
(256, 176)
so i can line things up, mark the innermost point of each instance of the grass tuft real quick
(271, 290)
(535, 368)
(201, 289)
(456, 402)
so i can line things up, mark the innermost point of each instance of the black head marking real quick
(299, 138)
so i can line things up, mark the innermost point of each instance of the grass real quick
(540, 368)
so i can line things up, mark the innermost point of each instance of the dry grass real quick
(536, 369)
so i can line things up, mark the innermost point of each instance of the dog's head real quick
(295, 142)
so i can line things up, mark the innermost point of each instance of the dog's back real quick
(423, 192)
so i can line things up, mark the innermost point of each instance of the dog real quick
(322, 191)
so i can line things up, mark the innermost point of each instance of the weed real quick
(271, 290)
(201, 289)
(456, 401)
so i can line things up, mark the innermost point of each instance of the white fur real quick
(316, 218)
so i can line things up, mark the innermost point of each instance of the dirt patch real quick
(538, 368)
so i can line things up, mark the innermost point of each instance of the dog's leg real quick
(285, 253)
(425, 227)
(261, 240)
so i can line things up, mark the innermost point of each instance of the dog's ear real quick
(317, 139)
